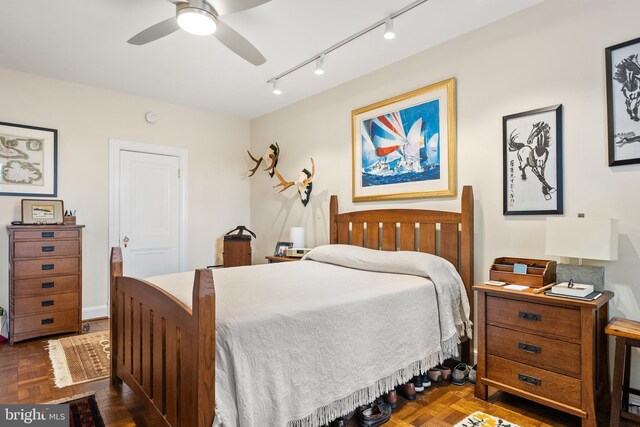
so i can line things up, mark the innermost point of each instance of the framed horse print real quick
(623, 100)
(532, 162)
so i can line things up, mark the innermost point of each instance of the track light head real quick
(388, 32)
(319, 66)
(276, 89)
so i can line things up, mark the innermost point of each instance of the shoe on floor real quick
(446, 372)
(460, 374)
(472, 374)
(434, 375)
(375, 414)
(391, 399)
(340, 422)
(417, 383)
(425, 380)
(408, 391)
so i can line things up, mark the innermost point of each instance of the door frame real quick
(118, 145)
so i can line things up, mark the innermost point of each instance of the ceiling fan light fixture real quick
(319, 66)
(196, 21)
(388, 31)
(276, 89)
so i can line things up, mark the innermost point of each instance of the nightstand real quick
(273, 259)
(550, 350)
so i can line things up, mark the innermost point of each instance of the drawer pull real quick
(48, 234)
(47, 321)
(529, 348)
(47, 285)
(529, 316)
(48, 248)
(47, 266)
(529, 380)
(48, 303)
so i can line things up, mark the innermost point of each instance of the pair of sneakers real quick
(463, 373)
(420, 382)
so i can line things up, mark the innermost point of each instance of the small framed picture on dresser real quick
(42, 212)
(281, 248)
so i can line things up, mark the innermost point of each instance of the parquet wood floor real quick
(26, 377)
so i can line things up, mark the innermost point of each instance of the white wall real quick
(550, 54)
(86, 117)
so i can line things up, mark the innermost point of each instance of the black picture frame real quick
(281, 248)
(34, 151)
(532, 137)
(623, 102)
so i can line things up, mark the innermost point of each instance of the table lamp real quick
(582, 238)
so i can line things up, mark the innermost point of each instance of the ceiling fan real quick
(202, 18)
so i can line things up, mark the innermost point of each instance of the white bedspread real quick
(302, 343)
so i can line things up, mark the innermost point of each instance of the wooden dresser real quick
(546, 349)
(45, 280)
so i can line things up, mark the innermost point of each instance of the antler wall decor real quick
(303, 183)
(270, 159)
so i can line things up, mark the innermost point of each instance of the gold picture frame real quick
(42, 211)
(405, 147)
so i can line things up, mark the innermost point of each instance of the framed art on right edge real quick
(623, 100)
(532, 162)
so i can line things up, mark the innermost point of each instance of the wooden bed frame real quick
(165, 352)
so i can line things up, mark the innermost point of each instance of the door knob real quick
(125, 241)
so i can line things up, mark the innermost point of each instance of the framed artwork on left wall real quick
(28, 160)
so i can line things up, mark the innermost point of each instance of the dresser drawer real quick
(46, 248)
(533, 317)
(45, 303)
(24, 287)
(45, 267)
(556, 387)
(45, 234)
(548, 353)
(42, 323)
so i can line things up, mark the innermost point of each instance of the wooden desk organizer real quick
(540, 272)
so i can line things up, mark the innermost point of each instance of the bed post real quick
(466, 268)
(333, 219)
(203, 309)
(115, 272)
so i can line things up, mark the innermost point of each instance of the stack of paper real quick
(578, 289)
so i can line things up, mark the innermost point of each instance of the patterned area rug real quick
(80, 358)
(83, 411)
(480, 419)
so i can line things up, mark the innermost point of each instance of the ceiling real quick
(86, 42)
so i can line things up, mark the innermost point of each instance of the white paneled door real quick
(149, 213)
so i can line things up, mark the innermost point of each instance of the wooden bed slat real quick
(188, 368)
(373, 233)
(407, 236)
(127, 348)
(389, 236)
(171, 367)
(449, 243)
(343, 234)
(137, 339)
(158, 363)
(428, 238)
(146, 350)
(357, 234)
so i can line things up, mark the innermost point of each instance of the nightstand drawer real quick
(532, 317)
(556, 387)
(45, 322)
(556, 355)
(45, 248)
(46, 285)
(46, 303)
(46, 267)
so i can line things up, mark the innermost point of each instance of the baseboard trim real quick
(95, 312)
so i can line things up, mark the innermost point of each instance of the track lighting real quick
(319, 66)
(388, 32)
(319, 57)
(276, 89)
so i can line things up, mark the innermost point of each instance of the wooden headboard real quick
(442, 233)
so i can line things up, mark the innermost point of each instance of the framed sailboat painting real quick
(405, 147)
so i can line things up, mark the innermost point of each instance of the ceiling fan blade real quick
(224, 7)
(155, 32)
(238, 44)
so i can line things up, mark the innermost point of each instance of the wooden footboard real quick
(163, 350)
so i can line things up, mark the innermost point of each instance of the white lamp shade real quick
(297, 237)
(589, 238)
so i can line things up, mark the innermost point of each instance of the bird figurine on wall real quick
(304, 183)
(270, 159)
